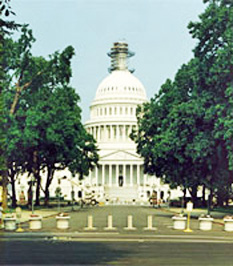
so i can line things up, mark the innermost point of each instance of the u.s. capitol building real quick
(120, 177)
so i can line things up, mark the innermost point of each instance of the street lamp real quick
(58, 192)
(58, 195)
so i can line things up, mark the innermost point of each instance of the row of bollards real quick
(129, 226)
(35, 223)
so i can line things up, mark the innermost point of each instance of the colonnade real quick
(109, 174)
(111, 132)
(114, 110)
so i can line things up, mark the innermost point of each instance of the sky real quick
(156, 30)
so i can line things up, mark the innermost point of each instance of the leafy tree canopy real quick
(44, 122)
(185, 131)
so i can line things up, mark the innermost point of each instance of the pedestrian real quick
(1, 211)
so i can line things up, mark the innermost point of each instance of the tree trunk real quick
(210, 198)
(184, 198)
(46, 199)
(220, 199)
(37, 177)
(14, 200)
(203, 196)
(29, 196)
(38, 183)
(193, 192)
(48, 183)
(4, 189)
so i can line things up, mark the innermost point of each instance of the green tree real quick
(45, 119)
(215, 53)
(6, 28)
(184, 132)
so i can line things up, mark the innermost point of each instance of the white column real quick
(108, 132)
(97, 133)
(124, 174)
(124, 132)
(117, 132)
(103, 174)
(105, 134)
(117, 174)
(94, 133)
(96, 175)
(111, 132)
(130, 130)
(110, 175)
(100, 133)
(138, 174)
(131, 175)
(90, 177)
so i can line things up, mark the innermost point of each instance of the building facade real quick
(120, 173)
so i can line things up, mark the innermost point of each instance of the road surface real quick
(55, 251)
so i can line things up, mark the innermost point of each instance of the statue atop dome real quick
(119, 54)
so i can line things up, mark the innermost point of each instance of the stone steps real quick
(125, 193)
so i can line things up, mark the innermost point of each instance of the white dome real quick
(120, 84)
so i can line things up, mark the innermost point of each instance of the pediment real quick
(120, 155)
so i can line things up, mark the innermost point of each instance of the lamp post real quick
(58, 195)
(58, 192)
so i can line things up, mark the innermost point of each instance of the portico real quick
(120, 175)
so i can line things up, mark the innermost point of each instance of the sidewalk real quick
(43, 212)
(196, 213)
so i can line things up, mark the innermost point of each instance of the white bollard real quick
(149, 223)
(90, 223)
(110, 226)
(130, 223)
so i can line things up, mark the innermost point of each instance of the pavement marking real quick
(143, 240)
(71, 239)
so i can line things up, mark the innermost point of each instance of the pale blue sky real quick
(156, 30)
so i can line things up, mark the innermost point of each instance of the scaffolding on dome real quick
(119, 54)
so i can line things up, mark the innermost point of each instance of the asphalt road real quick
(61, 252)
